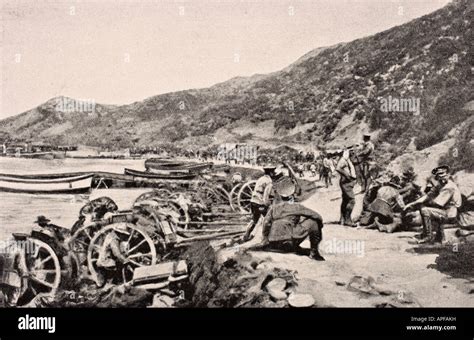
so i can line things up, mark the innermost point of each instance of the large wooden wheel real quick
(222, 195)
(40, 265)
(234, 196)
(81, 239)
(161, 193)
(136, 246)
(182, 218)
(245, 195)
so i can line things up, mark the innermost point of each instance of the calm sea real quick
(19, 211)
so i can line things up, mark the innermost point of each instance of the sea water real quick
(19, 211)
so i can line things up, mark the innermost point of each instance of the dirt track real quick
(407, 274)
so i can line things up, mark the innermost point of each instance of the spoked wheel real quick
(161, 193)
(222, 195)
(216, 195)
(245, 195)
(80, 241)
(135, 245)
(234, 196)
(181, 216)
(40, 265)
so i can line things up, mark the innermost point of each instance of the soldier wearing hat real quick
(287, 223)
(364, 156)
(409, 190)
(112, 257)
(385, 206)
(347, 180)
(260, 200)
(56, 233)
(438, 206)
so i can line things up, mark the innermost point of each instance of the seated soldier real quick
(439, 206)
(383, 208)
(412, 219)
(287, 224)
(56, 234)
(409, 190)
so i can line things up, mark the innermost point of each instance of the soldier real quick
(364, 155)
(438, 206)
(287, 224)
(260, 200)
(111, 260)
(409, 190)
(57, 234)
(327, 169)
(386, 206)
(347, 180)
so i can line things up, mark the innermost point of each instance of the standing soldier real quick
(347, 180)
(365, 155)
(327, 169)
(260, 200)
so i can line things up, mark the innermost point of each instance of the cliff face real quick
(411, 82)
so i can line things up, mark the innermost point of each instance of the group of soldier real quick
(390, 202)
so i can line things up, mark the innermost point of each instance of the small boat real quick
(162, 163)
(37, 155)
(146, 174)
(46, 184)
(193, 167)
(168, 171)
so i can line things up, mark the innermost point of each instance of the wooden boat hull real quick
(38, 155)
(144, 174)
(192, 167)
(42, 185)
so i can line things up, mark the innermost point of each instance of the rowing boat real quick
(46, 184)
(193, 167)
(163, 175)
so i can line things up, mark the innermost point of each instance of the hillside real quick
(326, 96)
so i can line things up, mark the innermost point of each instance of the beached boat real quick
(160, 162)
(47, 184)
(171, 175)
(191, 166)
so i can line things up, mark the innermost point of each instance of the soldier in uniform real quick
(386, 206)
(57, 234)
(287, 224)
(410, 191)
(364, 155)
(347, 180)
(438, 206)
(260, 200)
(111, 260)
(327, 169)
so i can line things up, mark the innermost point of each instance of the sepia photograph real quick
(291, 155)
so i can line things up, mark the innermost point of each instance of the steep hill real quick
(325, 96)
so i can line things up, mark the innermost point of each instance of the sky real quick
(122, 51)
